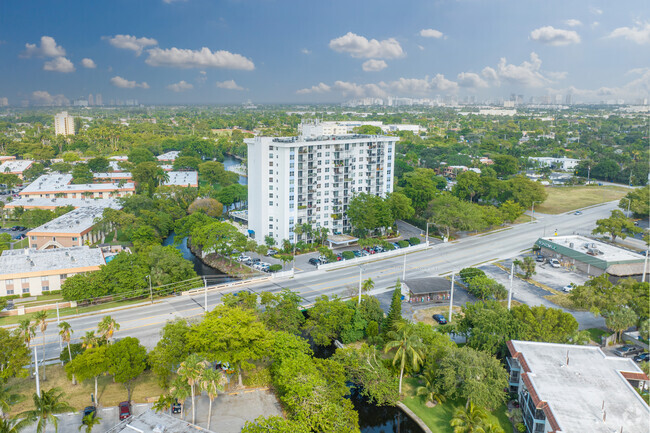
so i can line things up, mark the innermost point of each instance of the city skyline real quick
(196, 51)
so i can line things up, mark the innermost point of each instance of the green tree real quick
(429, 390)
(617, 225)
(41, 321)
(368, 212)
(191, 371)
(550, 325)
(170, 350)
(89, 365)
(470, 419)
(139, 155)
(510, 210)
(219, 237)
(505, 165)
(26, 331)
(107, 327)
(620, 320)
(395, 312)
(275, 424)
(327, 318)
(46, 405)
(208, 206)
(65, 333)
(419, 186)
(127, 360)
(636, 200)
(527, 266)
(81, 174)
(467, 185)
(13, 425)
(187, 163)
(282, 311)
(167, 266)
(215, 173)
(212, 381)
(400, 206)
(99, 164)
(89, 422)
(408, 348)
(149, 175)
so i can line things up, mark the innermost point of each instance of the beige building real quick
(33, 272)
(14, 166)
(60, 186)
(63, 124)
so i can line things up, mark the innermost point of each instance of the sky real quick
(309, 51)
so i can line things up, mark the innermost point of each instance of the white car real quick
(243, 258)
(555, 263)
(568, 287)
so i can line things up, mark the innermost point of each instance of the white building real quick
(63, 124)
(563, 163)
(298, 180)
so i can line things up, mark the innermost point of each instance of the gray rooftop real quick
(576, 392)
(183, 178)
(76, 221)
(42, 202)
(601, 250)
(169, 156)
(30, 260)
(54, 183)
(15, 166)
(156, 422)
(422, 286)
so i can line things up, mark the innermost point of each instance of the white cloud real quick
(128, 42)
(639, 33)
(421, 47)
(59, 64)
(471, 80)
(431, 33)
(409, 86)
(305, 51)
(47, 48)
(595, 24)
(595, 10)
(491, 76)
(556, 37)
(319, 88)
(373, 65)
(557, 75)
(229, 85)
(181, 86)
(639, 71)
(88, 63)
(358, 90)
(41, 97)
(202, 78)
(573, 22)
(360, 47)
(123, 83)
(203, 58)
(527, 74)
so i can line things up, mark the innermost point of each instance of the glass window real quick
(25, 289)
(24, 280)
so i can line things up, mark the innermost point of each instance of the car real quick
(364, 253)
(19, 237)
(577, 213)
(15, 228)
(313, 261)
(642, 357)
(379, 249)
(555, 263)
(396, 245)
(356, 253)
(88, 410)
(628, 350)
(339, 257)
(568, 287)
(124, 410)
(539, 259)
(271, 252)
(243, 258)
(440, 319)
(176, 407)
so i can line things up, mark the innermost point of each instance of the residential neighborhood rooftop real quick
(15, 165)
(169, 156)
(584, 388)
(183, 178)
(156, 422)
(60, 183)
(76, 221)
(420, 286)
(25, 261)
(51, 203)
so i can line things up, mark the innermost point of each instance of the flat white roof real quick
(576, 392)
(581, 244)
(30, 260)
(76, 221)
(151, 422)
(42, 202)
(113, 175)
(169, 156)
(183, 178)
(297, 141)
(119, 158)
(54, 183)
(15, 165)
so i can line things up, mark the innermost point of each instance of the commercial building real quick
(63, 124)
(565, 164)
(72, 229)
(28, 271)
(307, 179)
(427, 290)
(592, 256)
(60, 186)
(15, 166)
(576, 389)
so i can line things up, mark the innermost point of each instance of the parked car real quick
(628, 350)
(555, 263)
(642, 357)
(243, 258)
(356, 253)
(88, 410)
(396, 245)
(176, 407)
(539, 259)
(271, 252)
(568, 287)
(313, 261)
(339, 257)
(124, 410)
(440, 319)
(19, 237)
(578, 213)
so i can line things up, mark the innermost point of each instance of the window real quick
(270, 171)
(327, 177)
(270, 218)
(33, 238)
(45, 288)
(270, 178)
(290, 205)
(270, 187)
(25, 289)
(291, 189)
(74, 238)
(270, 163)
(270, 155)
(291, 165)
(270, 226)
(270, 195)
(270, 203)
(64, 276)
(24, 280)
(9, 282)
(10, 291)
(44, 279)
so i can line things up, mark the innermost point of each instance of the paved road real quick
(145, 322)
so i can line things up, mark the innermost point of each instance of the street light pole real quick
(628, 206)
(360, 278)
(205, 294)
(150, 289)
(427, 236)
(512, 274)
(451, 298)
(38, 379)
(404, 268)
(532, 217)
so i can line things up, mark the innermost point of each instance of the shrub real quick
(348, 255)
(25, 295)
(258, 378)
(275, 268)
(403, 244)
(414, 241)
(387, 246)
(468, 273)
(521, 427)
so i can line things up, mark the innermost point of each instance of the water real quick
(201, 268)
(229, 161)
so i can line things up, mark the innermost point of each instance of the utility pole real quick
(427, 236)
(150, 289)
(360, 278)
(451, 298)
(38, 379)
(628, 206)
(532, 217)
(512, 275)
(58, 322)
(205, 293)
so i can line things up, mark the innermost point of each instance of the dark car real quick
(628, 350)
(125, 410)
(15, 228)
(176, 407)
(440, 319)
(314, 261)
(642, 358)
(539, 259)
(88, 410)
(19, 237)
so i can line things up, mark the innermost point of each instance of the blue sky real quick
(221, 51)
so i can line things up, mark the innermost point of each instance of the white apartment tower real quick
(63, 124)
(311, 179)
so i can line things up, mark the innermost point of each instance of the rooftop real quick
(31, 260)
(15, 166)
(586, 246)
(113, 175)
(577, 381)
(55, 183)
(422, 286)
(297, 140)
(156, 422)
(183, 178)
(49, 203)
(169, 156)
(76, 221)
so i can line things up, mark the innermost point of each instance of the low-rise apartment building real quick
(178, 178)
(33, 272)
(61, 186)
(53, 203)
(15, 166)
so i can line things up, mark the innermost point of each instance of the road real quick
(146, 321)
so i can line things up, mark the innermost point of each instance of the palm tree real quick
(12, 425)
(65, 332)
(212, 381)
(407, 346)
(7, 399)
(469, 419)
(180, 391)
(367, 285)
(429, 390)
(490, 428)
(107, 328)
(89, 421)
(163, 403)
(41, 321)
(297, 230)
(27, 331)
(45, 406)
(89, 340)
(190, 371)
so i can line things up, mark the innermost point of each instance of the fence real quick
(373, 257)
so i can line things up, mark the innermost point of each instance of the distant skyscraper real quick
(98, 99)
(568, 100)
(91, 101)
(63, 124)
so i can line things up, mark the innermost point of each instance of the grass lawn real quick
(424, 315)
(78, 396)
(564, 199)
(23, 243)
(596, 333)
(563, 300)
(439, 417)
